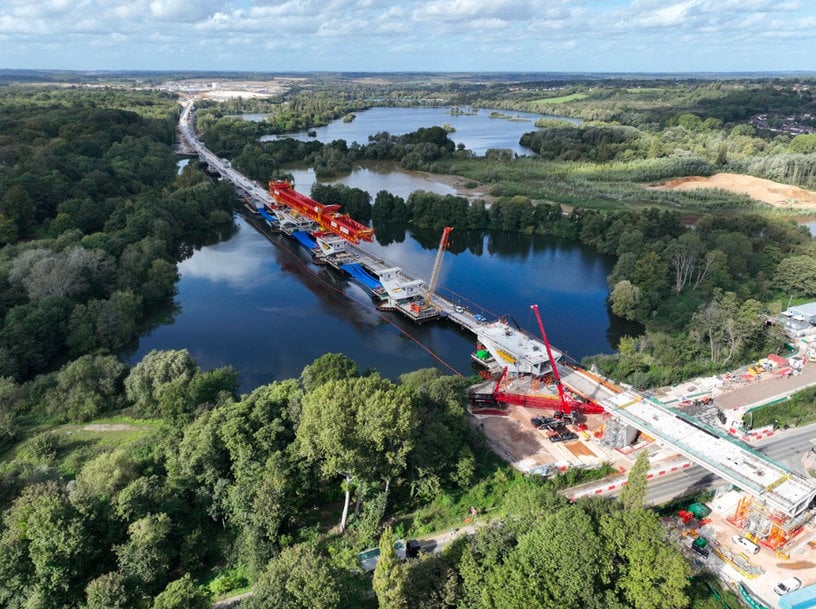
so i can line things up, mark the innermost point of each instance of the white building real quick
(800, 321)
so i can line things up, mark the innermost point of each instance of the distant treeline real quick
(267, 160)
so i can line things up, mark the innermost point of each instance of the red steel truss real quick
(326, 216)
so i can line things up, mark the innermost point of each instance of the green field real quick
(68, 447)
(563, 99)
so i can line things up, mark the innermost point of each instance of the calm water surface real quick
(376, 176)
(478, 132)
(264, 308)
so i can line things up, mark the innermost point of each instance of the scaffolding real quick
(771, 528)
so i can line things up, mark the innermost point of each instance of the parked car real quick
(745, 544)
(788, 585)
(412, 548)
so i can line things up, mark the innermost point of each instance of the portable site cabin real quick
(803, 598)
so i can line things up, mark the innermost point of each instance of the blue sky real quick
(410, 35)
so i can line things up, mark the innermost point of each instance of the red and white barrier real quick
(611, 485)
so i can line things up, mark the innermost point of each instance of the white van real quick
(745, 544)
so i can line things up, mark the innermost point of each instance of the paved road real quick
(756, 394)
(693, 480)
(790, 447)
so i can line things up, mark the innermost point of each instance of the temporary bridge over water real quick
(786, 495)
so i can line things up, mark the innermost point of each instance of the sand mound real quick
(767, 191)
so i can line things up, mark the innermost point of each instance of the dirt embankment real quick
(773, 193)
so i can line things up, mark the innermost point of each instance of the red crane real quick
(326, 216)
(565, 407)
(562, 402)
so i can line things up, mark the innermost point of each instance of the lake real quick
(374, 176)
(478, 132)
(263, 307)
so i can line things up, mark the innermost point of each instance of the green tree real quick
(389, 578)
(10, 395)
(549, 569)
(17, 205)
(728, 326)
(145, 558)
(182, 594)
(43, 549)
(108, 591)
(298, 578)
(796, 276)
(633, 495)
(527, 502)
(87, 387)
(33, 336)
(625, 300)
(482, 557)
(650, 571)
(100, 480)
(157, 370)
(650, 273)
(328, 367)
(359, 428)
(804, 143)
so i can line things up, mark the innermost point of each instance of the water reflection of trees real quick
(513, 244)
(460, 240)
(203, 238)
(386, 234)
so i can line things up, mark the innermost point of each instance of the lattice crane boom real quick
(443, 245)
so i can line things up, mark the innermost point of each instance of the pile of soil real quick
(773, 193)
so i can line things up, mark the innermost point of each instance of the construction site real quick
(544, 415)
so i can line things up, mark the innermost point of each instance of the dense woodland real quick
(158, 486)
(92, 220)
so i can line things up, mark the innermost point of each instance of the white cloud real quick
(407, 34)
(668, 16)
(184, 11)
(466, 10)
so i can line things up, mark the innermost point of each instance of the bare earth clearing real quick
(110, 427)
(774, 194)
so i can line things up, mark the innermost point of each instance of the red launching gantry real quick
(326, 216)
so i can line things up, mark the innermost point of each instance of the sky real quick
(410, 35)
